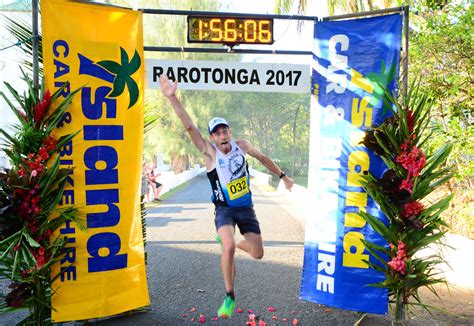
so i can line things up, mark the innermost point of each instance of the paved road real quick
(184, 273)
(183, 266)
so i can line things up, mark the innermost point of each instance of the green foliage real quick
(276, 124)
(442, 53)
(29, 195)
(416, 170)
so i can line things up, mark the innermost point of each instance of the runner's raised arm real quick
(204, 146)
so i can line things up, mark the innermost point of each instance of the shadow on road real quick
(159, 221)
(169, 209)
(279, 244)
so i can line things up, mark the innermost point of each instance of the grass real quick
(459, 216)
(267, 188)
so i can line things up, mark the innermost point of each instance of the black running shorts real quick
(244, 217)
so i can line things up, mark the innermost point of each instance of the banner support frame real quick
(273, 16)
(406, 30)
(35, 45)
(404, 10)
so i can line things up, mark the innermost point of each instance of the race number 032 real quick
(238, 188)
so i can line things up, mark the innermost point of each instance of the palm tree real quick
(351, 6)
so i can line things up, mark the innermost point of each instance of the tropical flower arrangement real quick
(29, 194)
(402, 193)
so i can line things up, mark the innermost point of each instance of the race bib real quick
(237, 188)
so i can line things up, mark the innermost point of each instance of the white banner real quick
(230, 76)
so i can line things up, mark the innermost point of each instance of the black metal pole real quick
(406, 30)
(365, 13)
(222, 50)
(283, 17)
(35, 43)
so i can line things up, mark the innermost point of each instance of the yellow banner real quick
(100, 49)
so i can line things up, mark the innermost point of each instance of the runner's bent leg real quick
(226, 233)
(252, 244)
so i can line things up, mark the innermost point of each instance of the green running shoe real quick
(227, 308)
(219, 241)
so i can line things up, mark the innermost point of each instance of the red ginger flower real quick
(35, 161)
(27, 209)
(44, 236)
(413, 161)
(41, 108)
(398, 263)
(413, 208)
(34, 164)
(33, 226)
(28, 204)
(21, 171)
(50, 143)
(401, 250)
(406, 185)
(42, 155)
(26, 273)
(41, 257)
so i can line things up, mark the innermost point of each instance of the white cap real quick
(214, 122)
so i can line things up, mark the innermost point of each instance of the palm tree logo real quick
(123, 75)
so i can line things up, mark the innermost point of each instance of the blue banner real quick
(353, 60)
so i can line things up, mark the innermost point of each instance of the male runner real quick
(227, 171)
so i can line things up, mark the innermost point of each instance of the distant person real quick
(155, 185)
(145, 191)
(228, 174)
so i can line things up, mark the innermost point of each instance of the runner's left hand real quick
(168, 89)
(288, 182)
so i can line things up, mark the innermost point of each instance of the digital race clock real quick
(230, 30)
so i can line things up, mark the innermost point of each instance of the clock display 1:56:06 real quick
(230, 30)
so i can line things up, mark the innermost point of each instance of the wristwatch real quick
(282, 174)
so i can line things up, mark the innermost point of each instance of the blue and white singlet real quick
(230, 179)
